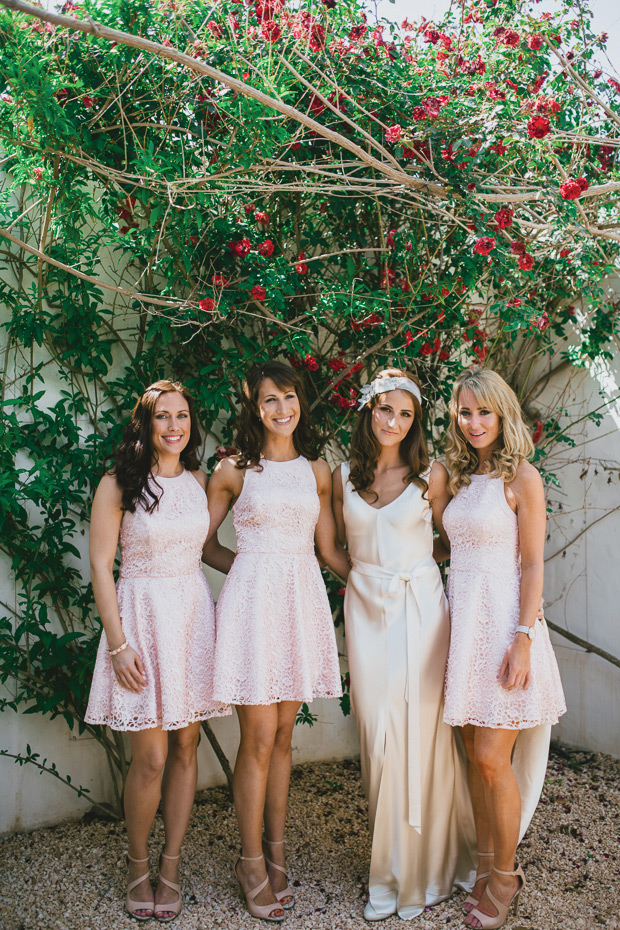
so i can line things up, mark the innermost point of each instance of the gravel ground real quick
(72, 877)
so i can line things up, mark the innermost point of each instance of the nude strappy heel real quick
(261, 911)
(172, 907)
(493, 923)
(288, 891)
(132, 906)
(470, 901)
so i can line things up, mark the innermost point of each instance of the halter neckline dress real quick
(275, 637)
(167, 614)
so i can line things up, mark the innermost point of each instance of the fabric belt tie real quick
(408, 582)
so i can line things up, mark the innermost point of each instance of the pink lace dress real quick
(484, 595)
(274, 630)
(167, 614)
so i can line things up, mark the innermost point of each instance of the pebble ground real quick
(72, 877)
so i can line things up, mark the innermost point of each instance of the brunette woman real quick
(154, 670)
(502, 686)
(275, 636)
(397, 631)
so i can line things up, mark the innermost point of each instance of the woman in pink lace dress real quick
(275, 644)
(502, 682)
(154, 671)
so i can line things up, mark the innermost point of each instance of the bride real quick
(397, 633)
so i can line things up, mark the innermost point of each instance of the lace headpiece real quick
(381, 385)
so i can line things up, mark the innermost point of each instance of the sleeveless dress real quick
(167, 613)
(484, 594)
(413, 770)
(275, 637)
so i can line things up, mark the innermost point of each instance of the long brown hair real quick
(365, 447)
(251, 433)
(515, 442)
(133, 459)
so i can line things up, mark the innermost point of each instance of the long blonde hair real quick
(515, 442)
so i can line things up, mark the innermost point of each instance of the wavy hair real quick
(515, 442)
(365, 447)
(251, 432)
(135, 455)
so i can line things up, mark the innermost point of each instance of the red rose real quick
(538, 431)
(484, 245)
(310, 363)
(538, 127)
(583, 184)
(503, 217)
(514, 302)
(510, 37)
(261, 217)
(301, 268)
(271, 32)
(337, 364)
(535, 41)
(38, 173)
(258, 292)
(215, 29)
(218, 280)
(207, 304)
(516, 247)
(526, 261)
(570, 189)
(564, 253)
(249, 208)
(393, 133)
(88, 101)
(241, 247)
(266, 247)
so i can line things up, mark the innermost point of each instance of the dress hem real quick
(277, 699)
(503, 725)
(123, 727)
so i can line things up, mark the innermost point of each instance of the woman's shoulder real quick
(322, 472)
(227, 474)
(527, 481)
(200, 477)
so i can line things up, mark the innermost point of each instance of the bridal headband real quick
(381, 385)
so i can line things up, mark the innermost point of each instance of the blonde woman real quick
(502, 678)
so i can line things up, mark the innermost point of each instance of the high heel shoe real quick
(171, 907)
(261, 911)
(288, 891)
(470, 901)
(132, 906)
(486, 922)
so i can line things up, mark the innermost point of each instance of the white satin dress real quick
(413, 769)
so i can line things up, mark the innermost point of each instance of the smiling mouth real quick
(284, 421)
(172, 438)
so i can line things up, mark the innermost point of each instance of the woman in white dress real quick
(397, 633)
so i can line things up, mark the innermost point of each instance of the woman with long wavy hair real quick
(503, 688)
(154, 671)
(275, 645)
(397, 632)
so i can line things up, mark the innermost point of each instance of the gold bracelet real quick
(115, 652)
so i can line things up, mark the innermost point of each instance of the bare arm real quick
(527, 493)
(213, 553)
(439, 498)
(105, 524)
(337, 505)
(329, 549)
(223, 488)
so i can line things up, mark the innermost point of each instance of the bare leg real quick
(277, 791)
(178, 792)
(492, 759)
(258, 727)
(484, 836)
(142, 792)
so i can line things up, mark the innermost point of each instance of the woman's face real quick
(479, 425)
(392, 417)
(278, 408)
(171, 424)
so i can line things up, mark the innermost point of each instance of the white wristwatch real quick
(530, 631)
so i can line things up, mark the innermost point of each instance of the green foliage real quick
(432, 231)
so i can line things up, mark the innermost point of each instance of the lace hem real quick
(116, 722)
(243, 700)
(527, 724)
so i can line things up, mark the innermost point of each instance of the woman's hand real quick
(129, 670)
(514, 672)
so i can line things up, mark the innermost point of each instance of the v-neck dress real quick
(413, 769)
